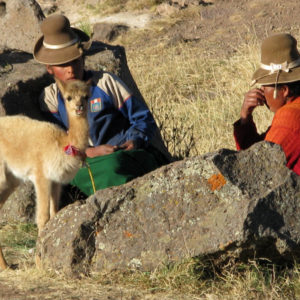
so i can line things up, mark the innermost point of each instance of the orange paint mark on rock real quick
(216, 181)
(128, 234)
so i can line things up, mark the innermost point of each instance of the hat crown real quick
(279, 48)
(57, 30)
(60, 43)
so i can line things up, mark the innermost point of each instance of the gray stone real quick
(21, 205)
(166, 9)
(22, 80)
(20, 24)
(108, 32)
(221, 205)
(186, 3)
(173, 6)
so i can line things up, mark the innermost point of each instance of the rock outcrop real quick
(224, 204)
(20, 24)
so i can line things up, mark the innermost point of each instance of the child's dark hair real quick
(294, 88)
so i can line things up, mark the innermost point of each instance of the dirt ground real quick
(224, 24)
(218, 30)
(84, 291)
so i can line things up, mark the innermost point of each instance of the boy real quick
(124, 138)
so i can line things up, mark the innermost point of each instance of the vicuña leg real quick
(3, 263)
(8, 183)
(55, 189)
(54, 200)
(43, 194)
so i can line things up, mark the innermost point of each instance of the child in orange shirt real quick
(279, 78)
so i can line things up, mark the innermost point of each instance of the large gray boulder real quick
(20, 24)
(22, 81)
(222, 205)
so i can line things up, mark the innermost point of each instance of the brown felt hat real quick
(280, 61)
(60, 43)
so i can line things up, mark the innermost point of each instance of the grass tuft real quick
(86, 27)
(21, 236)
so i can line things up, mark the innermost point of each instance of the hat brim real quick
(263, 77)
(61, 56)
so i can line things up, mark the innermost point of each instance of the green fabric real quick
(115, 169)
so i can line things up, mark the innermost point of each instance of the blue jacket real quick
(114, 114)
(113, 125)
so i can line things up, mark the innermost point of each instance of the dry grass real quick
(191, 279)
(240, 281)
(19, 240)
(107, 7)
(195, 98)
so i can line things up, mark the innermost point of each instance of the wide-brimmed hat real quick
(280, 61)
(60, 43)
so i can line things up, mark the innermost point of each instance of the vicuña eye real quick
(69, 98)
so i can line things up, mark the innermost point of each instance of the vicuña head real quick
(76, 94)
(49, 155)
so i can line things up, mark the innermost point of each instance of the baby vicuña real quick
(44, 153)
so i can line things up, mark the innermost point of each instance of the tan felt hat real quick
(280, 61)
(60, 43)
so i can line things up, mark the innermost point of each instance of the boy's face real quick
(68, 71)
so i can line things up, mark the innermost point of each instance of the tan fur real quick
(34, 150)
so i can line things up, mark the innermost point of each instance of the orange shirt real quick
(285, 131)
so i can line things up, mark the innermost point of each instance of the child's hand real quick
(252, 99)
(99, 150)
(129, 145)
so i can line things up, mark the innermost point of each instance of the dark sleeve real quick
(246, 135)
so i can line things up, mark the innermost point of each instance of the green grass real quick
(19, 236)
(86, 27)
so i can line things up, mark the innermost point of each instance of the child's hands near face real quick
(252, 99)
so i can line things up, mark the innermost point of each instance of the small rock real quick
(166, 9)
(107, 32)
